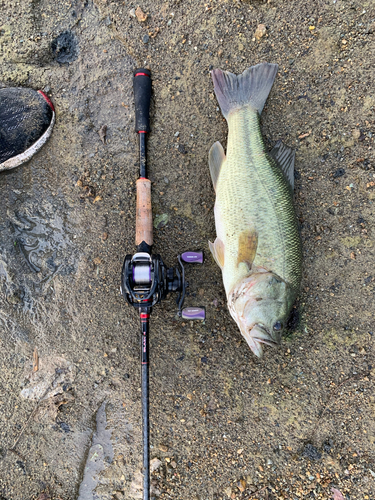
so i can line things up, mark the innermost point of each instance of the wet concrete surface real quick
(223, 424)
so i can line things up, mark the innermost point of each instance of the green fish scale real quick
(252, 193)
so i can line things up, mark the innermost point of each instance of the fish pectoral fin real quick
(247, 247)
(216, 158)
(217, 249)
(284, 157)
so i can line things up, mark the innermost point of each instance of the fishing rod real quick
(145, 280)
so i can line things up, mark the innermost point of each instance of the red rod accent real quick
(142, 132)
(47, 99)
(141, 74)
(144, 315)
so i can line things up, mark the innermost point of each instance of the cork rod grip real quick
(143, 219)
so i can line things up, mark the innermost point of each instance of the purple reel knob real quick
(194, 313)
(192, 257)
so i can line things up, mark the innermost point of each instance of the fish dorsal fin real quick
(247, 247)
(216, 158)
(217, 249)
(284, 157)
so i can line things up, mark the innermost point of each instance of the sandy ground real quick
(224, 424)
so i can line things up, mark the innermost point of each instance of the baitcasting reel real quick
(146, 281)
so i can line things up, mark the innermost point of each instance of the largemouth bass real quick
(258, 246)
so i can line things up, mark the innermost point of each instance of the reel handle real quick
(191, 313)
(142, 97)
(192, 257)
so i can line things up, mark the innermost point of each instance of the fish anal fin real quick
(217, 250)
(247, 247)
(284, 157)
(216, 158)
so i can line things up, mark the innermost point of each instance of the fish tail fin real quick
(249, 89)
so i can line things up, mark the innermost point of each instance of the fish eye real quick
(277, 326)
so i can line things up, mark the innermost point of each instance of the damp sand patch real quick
(99, 456)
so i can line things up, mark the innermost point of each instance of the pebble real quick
(260, 31)
(177, 134)
(44, 496)
(228, 491)
(339, 173)
(141, 16)
(302, 136)
(103, 133)
(241, 485)
(356, 133)
(145, 39)
(155, 463)
(132, 12)
(337, 495)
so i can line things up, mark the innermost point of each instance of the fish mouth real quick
(258, 335)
